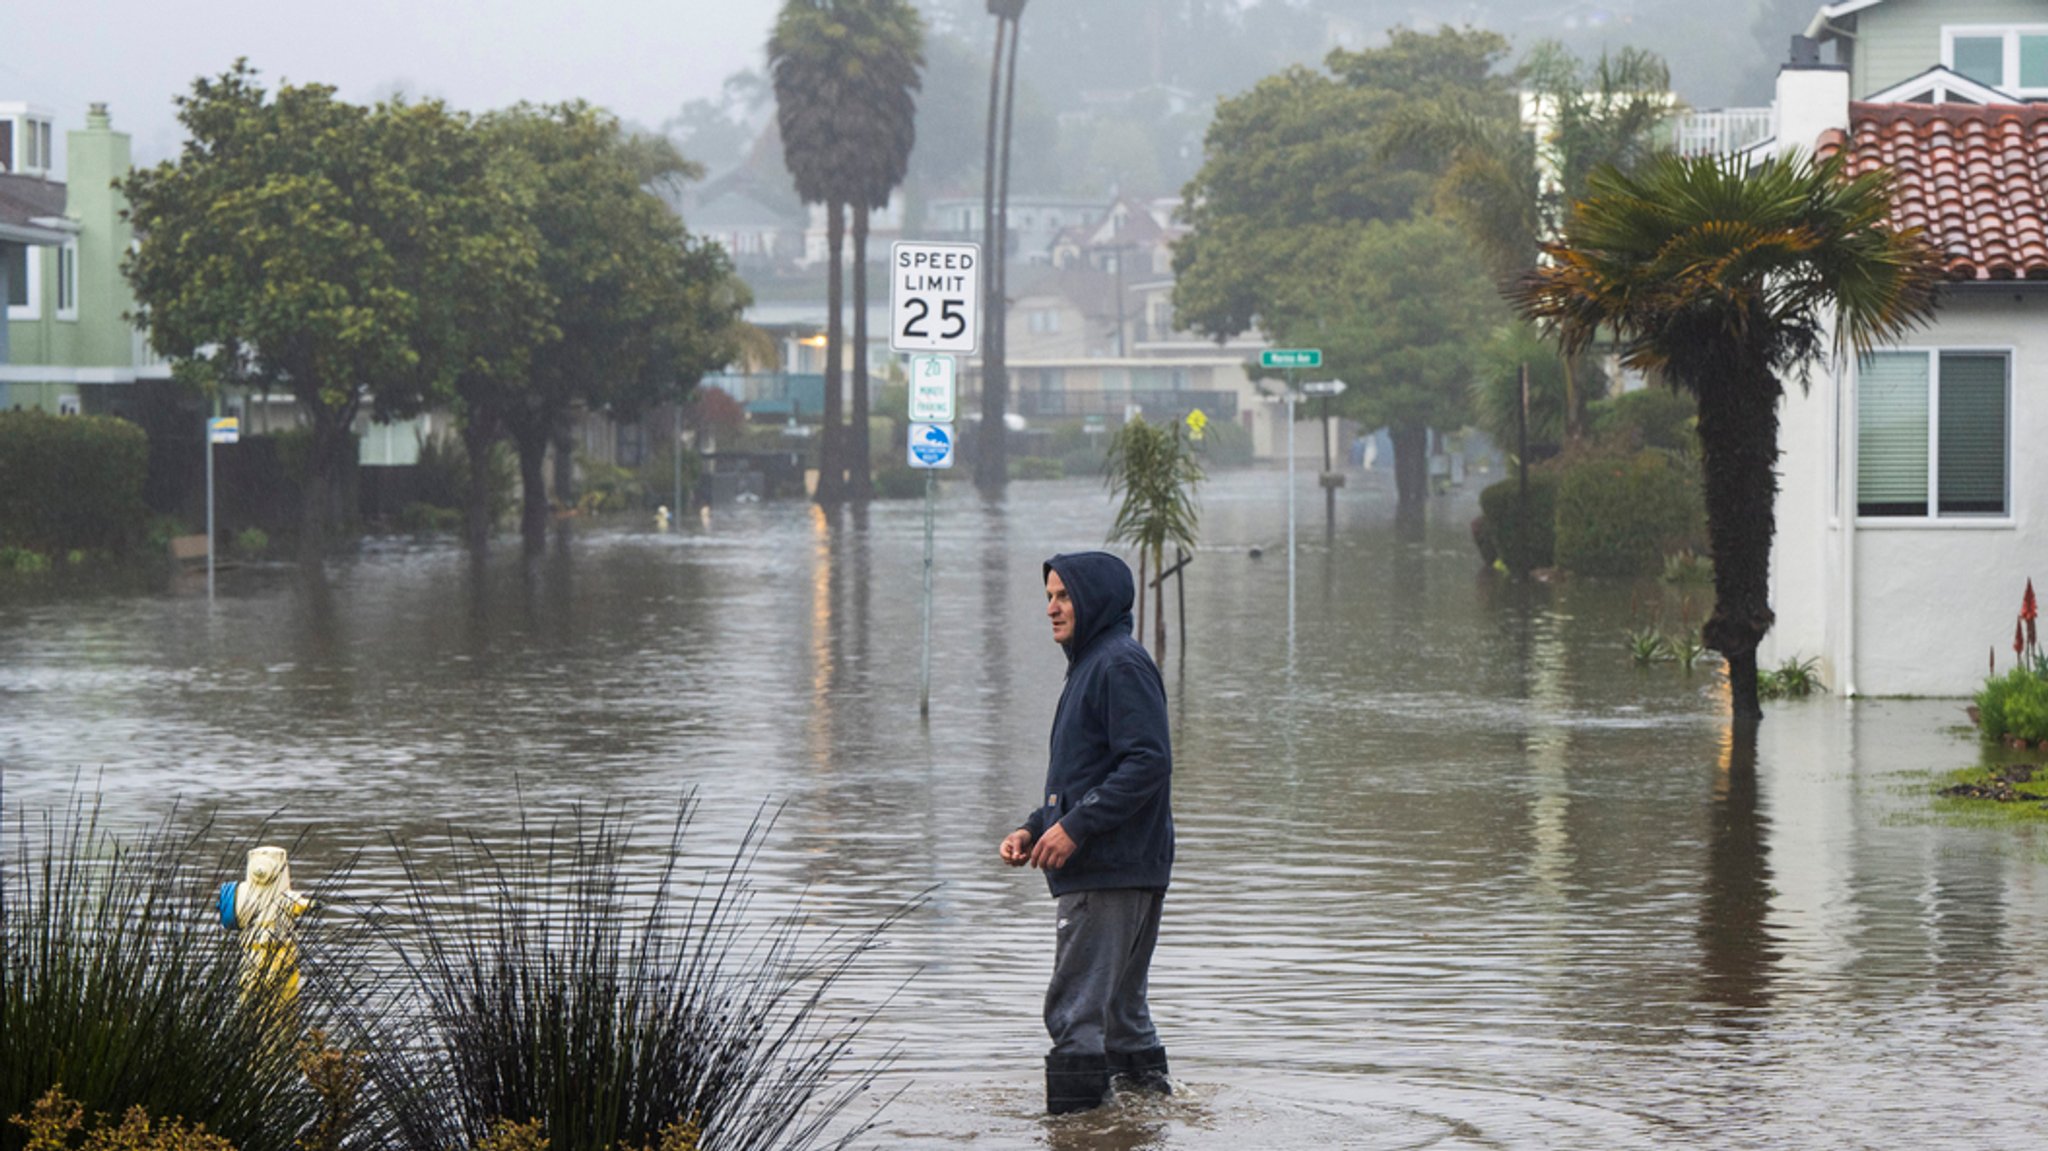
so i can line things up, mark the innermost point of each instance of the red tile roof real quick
(1974, 177)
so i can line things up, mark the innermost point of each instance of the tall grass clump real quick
(559, 987)
(119, 984)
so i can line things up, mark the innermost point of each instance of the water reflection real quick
(1737, 951)
(1453, 873)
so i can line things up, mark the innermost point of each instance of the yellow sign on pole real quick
(1197, 420)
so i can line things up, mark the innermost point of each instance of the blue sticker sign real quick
(931, 445)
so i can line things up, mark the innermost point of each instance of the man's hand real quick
(1052, 849)
(1016, 848)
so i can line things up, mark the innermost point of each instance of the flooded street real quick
(1452, 873)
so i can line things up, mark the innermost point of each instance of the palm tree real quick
(1721, 280)
(1156, 473)
(844, 72)
(887, 42)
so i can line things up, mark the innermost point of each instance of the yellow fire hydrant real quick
(262, 907)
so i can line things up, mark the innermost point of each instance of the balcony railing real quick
(1721, 131)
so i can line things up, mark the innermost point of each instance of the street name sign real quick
(934, 297)
(932, 390)
(931, 445)
(1291, 358)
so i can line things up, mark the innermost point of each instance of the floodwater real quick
(1452, 873)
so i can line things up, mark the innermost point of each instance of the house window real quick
(24, 283)
(67, 282)
(1932, 434)
(6, 146)
(1045, 320)
(2013, 59)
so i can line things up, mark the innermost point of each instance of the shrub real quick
(612, 1007)
(2014, 705)
(423, 519)
(1523, 545)
(1648, 418)
(71, 482)
(1224, 444)
(1036, 468)
(115, 989)
(899, 483)
(1620, 515)
(22, 561)
(1792, 679)
(56, 1122)
(251, 542)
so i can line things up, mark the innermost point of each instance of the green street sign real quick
(1291, 358)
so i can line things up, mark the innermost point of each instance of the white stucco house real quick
(1910, 511)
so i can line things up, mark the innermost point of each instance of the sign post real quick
(1332, 479)
(219, 430)
(934, 314)
(1290, 359)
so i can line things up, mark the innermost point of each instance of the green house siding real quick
(94, 343)
(1899, 39)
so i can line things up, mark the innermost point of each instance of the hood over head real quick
(1103, 591)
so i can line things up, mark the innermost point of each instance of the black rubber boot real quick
(1075, 1082)
(1141, 1071)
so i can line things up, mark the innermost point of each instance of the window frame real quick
(2009, 61)
(1933, 516)
(32, 261)
(67, 281)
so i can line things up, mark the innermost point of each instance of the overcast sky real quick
(640, 58)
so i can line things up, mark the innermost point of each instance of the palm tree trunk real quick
(831, 471)
(860, 479)
(1144, 554)
(1738, 427)
(991, 461)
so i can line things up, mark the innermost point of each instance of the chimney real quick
(96, 118)
(1812, 98)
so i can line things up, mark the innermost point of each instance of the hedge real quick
(1522, 545)
(1621, 515)
(71, 482)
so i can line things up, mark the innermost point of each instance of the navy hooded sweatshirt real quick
(1108, 782)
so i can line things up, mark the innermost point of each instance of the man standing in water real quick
(1104, 837)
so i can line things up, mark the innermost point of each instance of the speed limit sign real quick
(934, 297)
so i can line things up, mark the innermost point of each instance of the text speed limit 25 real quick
(934, 297)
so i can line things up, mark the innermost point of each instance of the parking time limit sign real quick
(934, 297)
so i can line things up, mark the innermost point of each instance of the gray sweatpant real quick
(1095, 1004)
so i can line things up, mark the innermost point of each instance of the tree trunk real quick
(1738, 428)
(1144, 554)
(565, 464)
(1411, 463)
(476, 502)
(324, 464)
(860, 477)
(1159, 605)
(533, 490)
(831, 465)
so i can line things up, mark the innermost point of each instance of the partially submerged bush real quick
(71, 482)
(2014, 705)
(1523, 542)
(1620, 515)
(614, 1009)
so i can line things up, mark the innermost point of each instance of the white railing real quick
(1721, 131)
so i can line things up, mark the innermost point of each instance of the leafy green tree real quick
(1296, 174)
(1401, 312)
(1497, 389)
(292, 245)
(1155, 472)
(636, 308)
(1722, 280)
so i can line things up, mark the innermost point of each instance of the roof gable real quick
(1941, 85)
(1974, 179)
